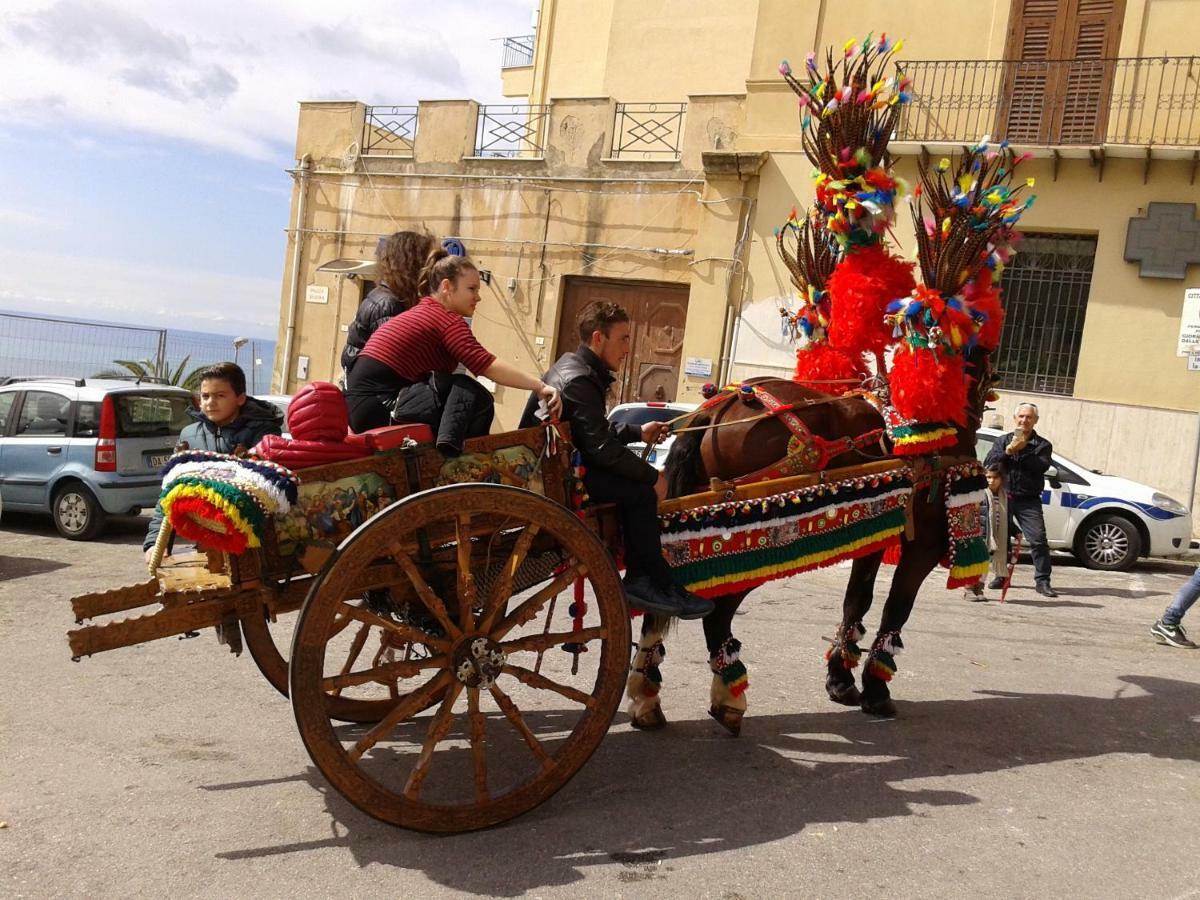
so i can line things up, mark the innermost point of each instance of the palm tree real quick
(154, 370)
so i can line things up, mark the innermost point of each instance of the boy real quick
(996, 528)
(227, 420)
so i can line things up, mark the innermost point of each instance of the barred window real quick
(1045, 301)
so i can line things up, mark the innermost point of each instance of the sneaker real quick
(974, 593)
(1173, 635)
(995, 584)
(1045, 590)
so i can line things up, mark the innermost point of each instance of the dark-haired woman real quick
(406, 371)
(400, 259)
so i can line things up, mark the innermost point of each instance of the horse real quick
(735, 439)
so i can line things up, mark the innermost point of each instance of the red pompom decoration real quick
(860, 288)
(928, 388)
(188, 515)
(984, 297)
(829, 370)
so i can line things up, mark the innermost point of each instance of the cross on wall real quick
(1165, 242)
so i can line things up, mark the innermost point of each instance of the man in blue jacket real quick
(228, 419)
(1023, 456)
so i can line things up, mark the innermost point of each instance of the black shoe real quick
(694, 606)
(449, 450)
(1045, 590)
(995, 584)
(1173, 635)
(665, 602)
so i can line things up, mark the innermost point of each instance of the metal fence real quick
(1045, 302)
(46, 345)
(511, 131)
(1131, 101)
(648, 130)
(390, 130)
(518, 51)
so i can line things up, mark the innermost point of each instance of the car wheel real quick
(1109, 542)
(77, 514)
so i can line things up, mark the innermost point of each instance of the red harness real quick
(807, 452)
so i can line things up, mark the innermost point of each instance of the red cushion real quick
(318, 413)
(391, 436)
(302, 454)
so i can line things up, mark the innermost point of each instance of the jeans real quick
(1183, 600)
(638, 505)
(1026, 512)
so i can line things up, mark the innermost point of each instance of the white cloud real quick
(228, 75)
(138, 293)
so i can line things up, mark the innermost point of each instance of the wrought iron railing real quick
(518, 51)
(511, 131)
(648, 130)
(1131, 101)
(390, 130)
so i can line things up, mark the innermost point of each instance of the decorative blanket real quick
(734, 546)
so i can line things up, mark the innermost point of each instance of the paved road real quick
(1044, 748)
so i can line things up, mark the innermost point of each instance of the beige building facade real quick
(654, 148)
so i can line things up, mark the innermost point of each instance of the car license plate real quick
(157, 460)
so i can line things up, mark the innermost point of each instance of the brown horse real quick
(746, 441)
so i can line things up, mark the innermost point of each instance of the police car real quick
(641, 413)
(1106, 521)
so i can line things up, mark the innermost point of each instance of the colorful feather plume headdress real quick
(223, 501)
(848, 113)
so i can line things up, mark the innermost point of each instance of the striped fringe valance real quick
(967, 555)
(734, 546)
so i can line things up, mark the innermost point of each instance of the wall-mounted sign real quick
(1189, 323)
(316, 293)
(698, 366)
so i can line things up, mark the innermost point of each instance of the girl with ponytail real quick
(406, 371)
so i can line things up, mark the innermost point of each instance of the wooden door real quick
(658, 313)
(1059, 70)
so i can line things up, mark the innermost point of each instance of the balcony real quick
(518, 51)
(1086, 103)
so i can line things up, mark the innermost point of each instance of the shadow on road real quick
(644, 799)
(117, 529)
(12, 567)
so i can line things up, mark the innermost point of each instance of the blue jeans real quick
(1026, 512)
(1183, 600)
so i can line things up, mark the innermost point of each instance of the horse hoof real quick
(884, 708)
(728, 718)
(651, 720)
(846, 694)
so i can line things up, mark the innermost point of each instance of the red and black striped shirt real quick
(427, 338)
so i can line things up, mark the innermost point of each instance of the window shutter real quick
(1094, 38)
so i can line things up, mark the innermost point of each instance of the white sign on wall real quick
(698, 366)
(316, 293)
(1189, 323)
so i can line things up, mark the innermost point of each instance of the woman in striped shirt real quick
(406, 370)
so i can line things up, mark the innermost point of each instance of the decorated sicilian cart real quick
(452, 632)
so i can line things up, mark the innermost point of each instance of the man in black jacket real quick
(1024, 456)
(612, 472)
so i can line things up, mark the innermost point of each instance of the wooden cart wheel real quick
(267, 643)
(517, 715)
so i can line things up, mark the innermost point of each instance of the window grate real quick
(1045, 292)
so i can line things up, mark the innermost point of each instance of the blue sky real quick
(143, 144)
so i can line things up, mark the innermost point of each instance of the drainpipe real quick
(303, 168)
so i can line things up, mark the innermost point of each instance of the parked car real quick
(641, 413)
(1106, 521)
(84, 449)
(280, 402)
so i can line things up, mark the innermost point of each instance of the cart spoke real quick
(466, 580)
(409, 706)
(555, 639)
(514, 715)
(438, 729)
(342, 621)
(531, 607)
(383, 674)
(404, 633)
(541, 682)
(502, 589)
(356, 646)
(478, 745)
(431, 600)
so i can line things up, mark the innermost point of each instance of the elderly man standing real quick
(1024, 456)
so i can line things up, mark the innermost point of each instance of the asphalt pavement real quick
(1043, 748)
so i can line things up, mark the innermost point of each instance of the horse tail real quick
(684, 468)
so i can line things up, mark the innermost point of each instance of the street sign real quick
(1189, 323)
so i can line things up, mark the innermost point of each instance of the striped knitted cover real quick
(735, 546)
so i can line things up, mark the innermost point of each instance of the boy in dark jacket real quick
(613, 472)
(227, 420)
